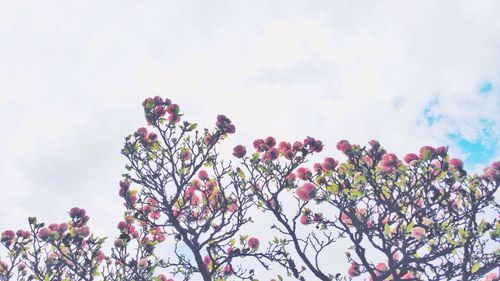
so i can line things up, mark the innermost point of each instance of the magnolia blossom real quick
(418, 233)
(353, 270)
(427, 221)
(492, 277)
(239, 151)
(306, 192)
(253, 243)
(304, 219)
(456, 163)
(345, 219)
(408, 276)
(410, 157)
(381, 266)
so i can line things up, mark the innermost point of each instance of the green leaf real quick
(481, 226)
(475, 267)
(387, 230)
(192, 126)
(333, 188)
(386, 191)
(241, 174)
(462, 233)
(409, 227)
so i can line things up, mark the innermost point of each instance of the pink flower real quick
(304, 173)
(284, 146)
(344, 146)
(24, 234)
(158, 100)
(228, 270)
(442, 150)
(259, 145)
(418, 233)
(395, 256)
(493, 172)
(389, 162)
(345, 219)
(8, 235)
(385, 220)
(122, 226)
(456, 163)
(63, 227)
(381, 266)
(329, 164)
(369, 223)
(306, 192)
(353, 270)
(410, 157)
(173, 109)
(207, 260)
(427, 221)
(290, 178)
(203, 175)
(253, 243)
(239, 151)
(141, 133)
(407, 276)
(492, 277)
(270, 142)
(427, 152)
(361, 212)
(313, 144)
(232, 207)
(304, 219)
(297, 146)
(272, 154)
(374, 143)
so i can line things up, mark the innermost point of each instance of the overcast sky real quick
(73, 76)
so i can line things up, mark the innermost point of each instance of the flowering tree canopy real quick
(188, 213)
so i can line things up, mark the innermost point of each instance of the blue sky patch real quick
(486, 88)
(429, 116)
(481, 150)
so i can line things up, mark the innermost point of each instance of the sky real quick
(73, 75)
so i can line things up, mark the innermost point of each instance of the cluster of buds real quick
(389, 163)
(151, 208)
(8, 236)
(79, 216)
(308, 216)
(313, 145)
(146, 138)
(224, 125)
(492, 173)
(129, 195)
(156, 108)
(270, 152)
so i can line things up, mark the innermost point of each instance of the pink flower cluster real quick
(492, 172)
(156, 108)
(129, 195)
(306, 192)
(224, 124)
(270, 152)
(8, 236)
(147, 139)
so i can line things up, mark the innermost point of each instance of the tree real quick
(421, 219)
